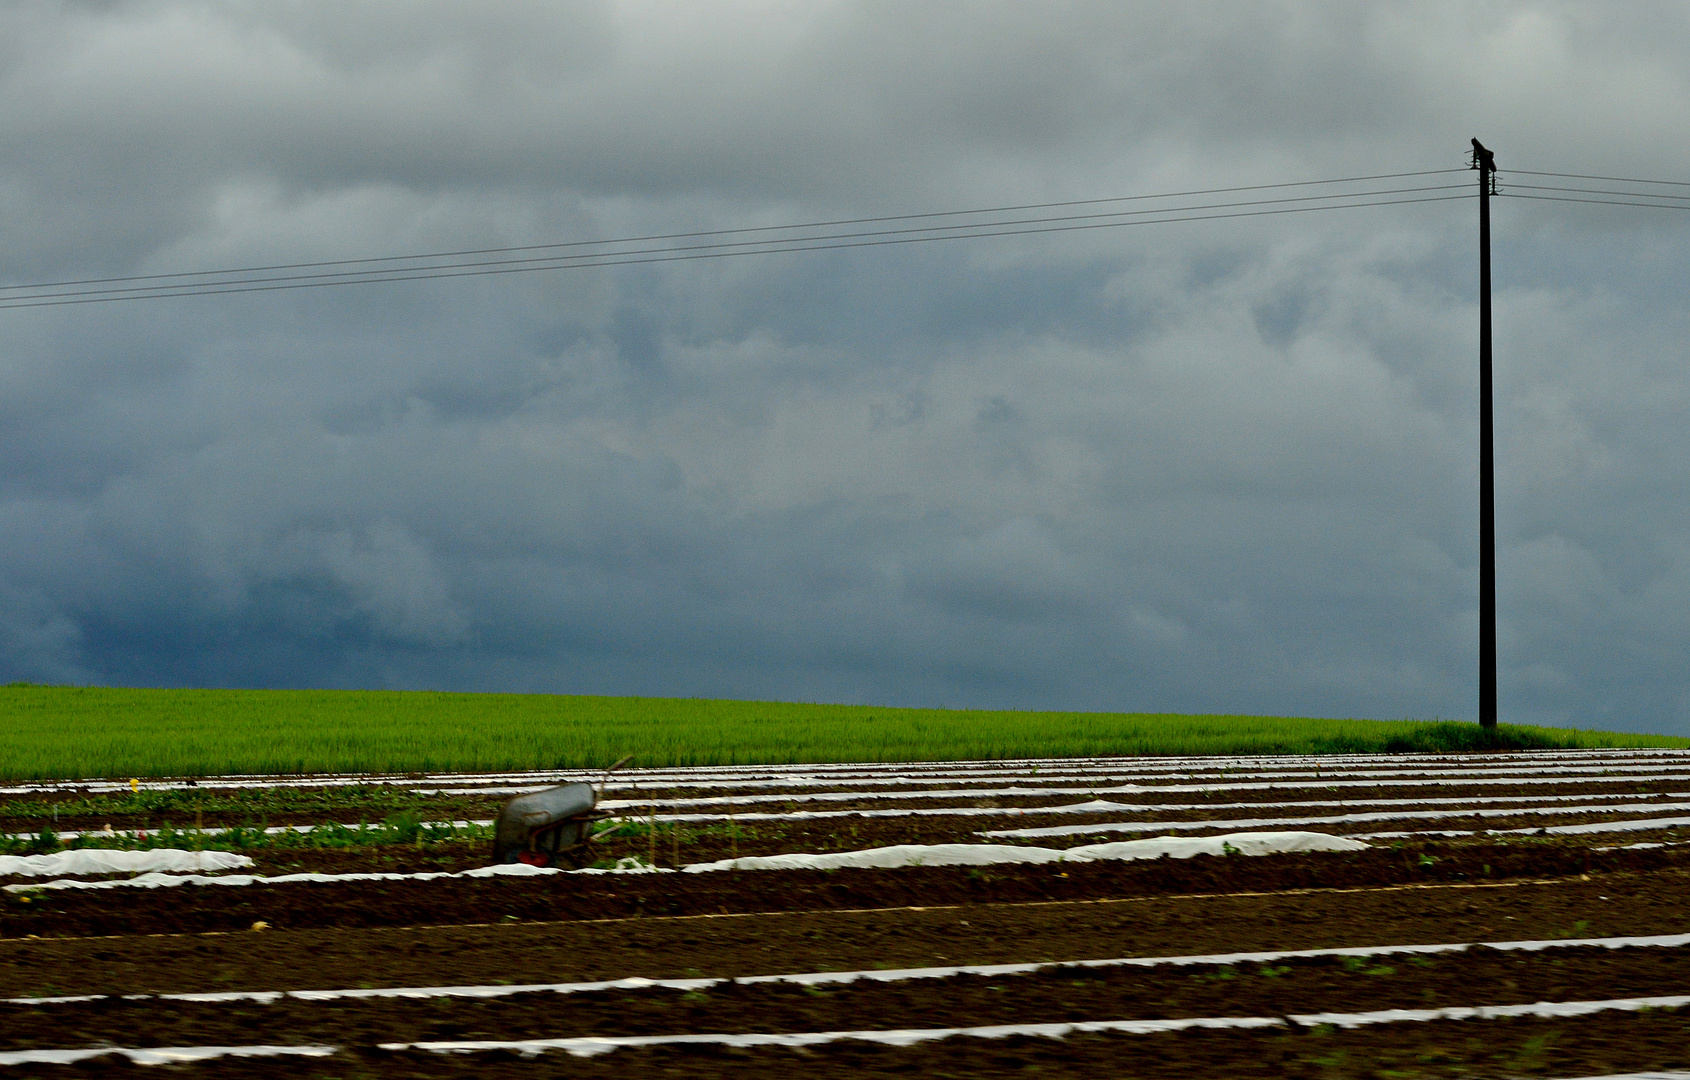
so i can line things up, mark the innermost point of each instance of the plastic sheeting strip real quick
(1095, 806)
(877, 858)
(900, 855)
(818, 978)
(1626, 825)
(1049, 792)
(1344, 819)
(272, 830)
(592, 1045)
(1628, 760)
(159, 1055)
(1117, 785)
(111, 861)
(158, 881)
(589, 1046)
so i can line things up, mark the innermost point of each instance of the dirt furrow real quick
(508, 950)
(1587, 1046)
(1297, 986)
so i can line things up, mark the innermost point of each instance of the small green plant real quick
(1268, 971)
(1533, 1052)
(1228, 849)
(405, 826)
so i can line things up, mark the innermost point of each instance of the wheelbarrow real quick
(547, 827)
(552, 826)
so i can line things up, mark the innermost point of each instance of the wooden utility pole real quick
(1485, 162)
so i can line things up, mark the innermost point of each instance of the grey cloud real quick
(1218, 467)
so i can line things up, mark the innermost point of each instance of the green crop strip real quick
(67, 732)
(400, 829)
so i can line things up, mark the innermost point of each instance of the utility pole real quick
(1485, 162)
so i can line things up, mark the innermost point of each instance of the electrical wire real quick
(615, 259)
(800, 237)
(1584, 176)
(729, 232)
(1654, 200)
(560, 261)
(1596, 202)
(876, 238)
(1600, 191)
(1651, 200)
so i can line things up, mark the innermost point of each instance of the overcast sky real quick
(1223, 466)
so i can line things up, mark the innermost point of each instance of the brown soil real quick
(564, 897)
(1606, 1043)
(581, 928)
(1054, 995)
(484, 807)
(697, 842)
(728, 946)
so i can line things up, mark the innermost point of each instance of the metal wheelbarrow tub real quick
(547, 826)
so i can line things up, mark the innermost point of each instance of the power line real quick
(1584, 176)
(1596, 202)
(615, 259)
(730, 232)
(561, 261)
(800, 237)
(1598, 191)
(878, 238)
(1602, 196)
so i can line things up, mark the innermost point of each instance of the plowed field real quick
(1503, 915)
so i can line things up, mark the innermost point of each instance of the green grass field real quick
(63, 732)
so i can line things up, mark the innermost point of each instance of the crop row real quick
(1136, 996)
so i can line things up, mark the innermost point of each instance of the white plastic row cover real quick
(109, 861)
(160, 1055)
(880, 858)
(1340, 819)
(820, 978)
(1583, 760)
(1591, 829)
(1049, 792)
(1110, 786)
(589, 1046)
(1095, 806)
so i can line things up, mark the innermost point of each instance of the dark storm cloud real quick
(1222, 466)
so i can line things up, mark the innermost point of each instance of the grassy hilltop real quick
(59, 732)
